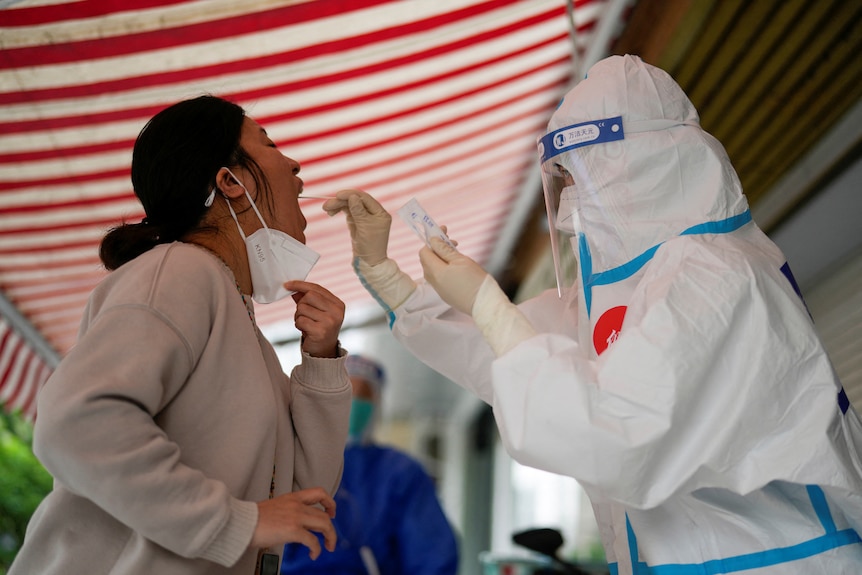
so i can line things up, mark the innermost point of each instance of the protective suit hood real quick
(663, 177)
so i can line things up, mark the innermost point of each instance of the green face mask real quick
(361, 411)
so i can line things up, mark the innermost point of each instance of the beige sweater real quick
(161, 426)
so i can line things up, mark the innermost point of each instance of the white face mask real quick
(568, 219)
(273, 257)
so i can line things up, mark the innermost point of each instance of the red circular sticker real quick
(608, 328)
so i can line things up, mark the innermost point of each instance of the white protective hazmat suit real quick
(711, 434)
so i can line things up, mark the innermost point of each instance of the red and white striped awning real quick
(439, 100)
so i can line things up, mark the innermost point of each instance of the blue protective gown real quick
(386, 502)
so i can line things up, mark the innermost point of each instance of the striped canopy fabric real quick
(441, 100)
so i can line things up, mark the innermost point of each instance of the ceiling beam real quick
(805, 177)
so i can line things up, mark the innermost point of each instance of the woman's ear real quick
(228, 185)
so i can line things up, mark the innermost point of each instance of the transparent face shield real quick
(560, 194)
(559, 183)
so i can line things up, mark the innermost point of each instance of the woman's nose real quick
(294, 165)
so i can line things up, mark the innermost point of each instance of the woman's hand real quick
(295, 518)
(319, 315)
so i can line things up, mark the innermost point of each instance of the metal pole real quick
(23, 326)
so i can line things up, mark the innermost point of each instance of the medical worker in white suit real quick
(679, 379)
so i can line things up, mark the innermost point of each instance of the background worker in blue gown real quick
(389, 520)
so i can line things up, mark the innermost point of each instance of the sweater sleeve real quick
(97, 435)
(320, 395)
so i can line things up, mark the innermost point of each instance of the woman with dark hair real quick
(177, 443)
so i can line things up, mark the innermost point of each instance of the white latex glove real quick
(368, 222)
(463, 284)
(369, 225)
(454, 276)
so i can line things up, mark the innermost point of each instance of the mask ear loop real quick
(251, 201)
